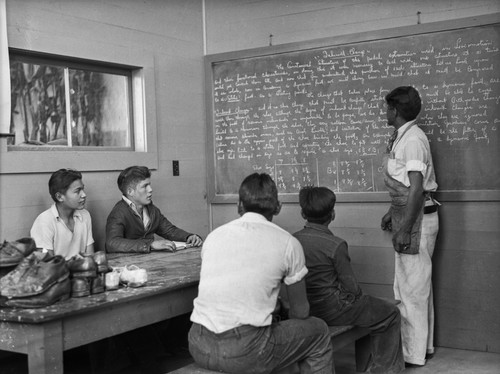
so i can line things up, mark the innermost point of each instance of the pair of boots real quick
(39, 280)
(87, 274)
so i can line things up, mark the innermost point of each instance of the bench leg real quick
(363, 353)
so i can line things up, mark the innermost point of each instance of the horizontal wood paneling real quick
(475, 216)
(126, 28)
(466, 259)
(471, 240)
(461, 337)
(373, 265)
(243, 25)
(170, 32)
(467, 270)
(478, 306)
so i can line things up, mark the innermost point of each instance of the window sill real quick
(49, 160)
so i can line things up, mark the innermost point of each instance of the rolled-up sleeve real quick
(88, 223)
(295, 262)
(415, 156)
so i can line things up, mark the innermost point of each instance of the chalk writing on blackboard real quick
(317, 116)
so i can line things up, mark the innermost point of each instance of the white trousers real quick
(413, 286)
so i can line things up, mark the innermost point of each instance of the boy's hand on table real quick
(163, 245)
(193, 241)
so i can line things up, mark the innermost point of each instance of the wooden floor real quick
(445, 361)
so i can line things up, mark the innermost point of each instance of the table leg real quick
(45, 348)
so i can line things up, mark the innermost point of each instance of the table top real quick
(166, 272)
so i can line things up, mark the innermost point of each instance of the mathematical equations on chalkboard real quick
(317, 116)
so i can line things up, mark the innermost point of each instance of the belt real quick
(430, 209)
(236, 331)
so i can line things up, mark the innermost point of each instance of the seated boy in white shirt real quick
(66, 227)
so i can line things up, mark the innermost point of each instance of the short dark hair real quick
(131, 176)
(317, 203)
(60, 181)
(258, 193)
(406, 100)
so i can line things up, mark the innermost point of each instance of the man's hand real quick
(386, 223)
(194, 241)
(402, 239)
(163, 245)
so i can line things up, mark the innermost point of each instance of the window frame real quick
(143, 151)
(38, 59)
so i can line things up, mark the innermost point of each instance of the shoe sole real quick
(80, 294)
(135, 285)
(9, 264)
(30, 306)
(27, 305)
(47, 286)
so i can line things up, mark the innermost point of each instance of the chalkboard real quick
(316, 115)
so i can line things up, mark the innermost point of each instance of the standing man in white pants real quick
(413, 220)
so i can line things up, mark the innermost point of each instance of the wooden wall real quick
(175, 33)
(171, 32)
(467, 257)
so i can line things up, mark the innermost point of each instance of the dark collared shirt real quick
(330, 278)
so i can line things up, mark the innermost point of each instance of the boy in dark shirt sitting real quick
(332, 290)
(135, 220)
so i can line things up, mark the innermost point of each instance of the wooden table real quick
(44, 333)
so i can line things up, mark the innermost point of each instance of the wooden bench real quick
(341, 336)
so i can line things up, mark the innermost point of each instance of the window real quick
(92, 110)
(69, 104)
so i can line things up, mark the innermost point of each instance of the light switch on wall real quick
(175, 168)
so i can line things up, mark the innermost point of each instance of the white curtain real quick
(4, 72)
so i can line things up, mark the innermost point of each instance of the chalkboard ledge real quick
(376, 197)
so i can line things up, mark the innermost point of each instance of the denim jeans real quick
(258, 350)
(384, 321)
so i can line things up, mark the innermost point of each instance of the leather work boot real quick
(80, 287)
(38, 278)
(12, 278)
(82, 267)
(97, 284)
(59, 291)
(12, 253)
(101, 262)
